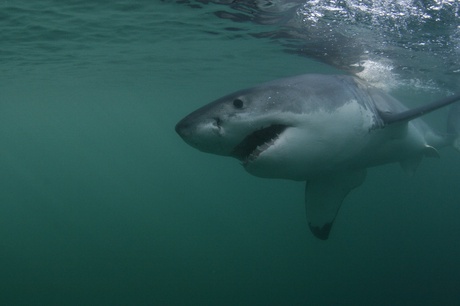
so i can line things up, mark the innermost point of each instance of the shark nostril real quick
(218, 122)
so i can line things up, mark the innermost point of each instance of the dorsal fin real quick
(390, 118)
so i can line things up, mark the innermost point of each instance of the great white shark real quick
(322, 129)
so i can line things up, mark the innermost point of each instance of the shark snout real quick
(202, 133)
(208, 134)
(183, 128)
(190, 126)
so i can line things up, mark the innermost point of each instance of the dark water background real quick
(101, 203)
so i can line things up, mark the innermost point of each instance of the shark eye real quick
(238, 103)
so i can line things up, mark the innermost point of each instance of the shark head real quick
(248, 125)
(241, 125)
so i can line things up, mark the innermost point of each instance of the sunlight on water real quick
(399, 12)
(391, 31)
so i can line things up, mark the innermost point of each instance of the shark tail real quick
(453, 125)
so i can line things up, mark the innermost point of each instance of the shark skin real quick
(325, 130)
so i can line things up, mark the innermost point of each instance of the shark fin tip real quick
(321, 232)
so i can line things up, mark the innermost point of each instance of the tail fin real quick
(453, 125)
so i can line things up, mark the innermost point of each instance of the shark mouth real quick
(257, 142)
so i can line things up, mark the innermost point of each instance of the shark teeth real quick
(254, 154)
(257, 142)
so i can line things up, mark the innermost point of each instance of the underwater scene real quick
(103, 203)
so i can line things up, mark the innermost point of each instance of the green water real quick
(101, 203)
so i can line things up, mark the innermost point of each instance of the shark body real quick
(325, 130)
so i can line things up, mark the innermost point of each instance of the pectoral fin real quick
(323, 197)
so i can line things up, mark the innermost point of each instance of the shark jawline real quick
(257, 142)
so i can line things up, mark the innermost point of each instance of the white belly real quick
(324, 142)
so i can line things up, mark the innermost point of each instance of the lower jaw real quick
(252, 159)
